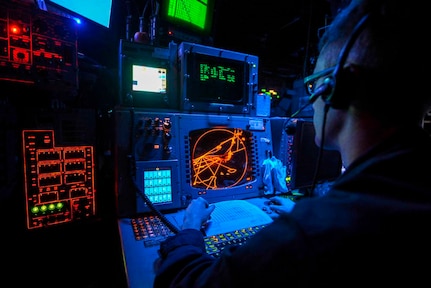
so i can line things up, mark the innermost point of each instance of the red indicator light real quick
(14, 29)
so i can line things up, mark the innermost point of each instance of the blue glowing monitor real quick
(98, 11)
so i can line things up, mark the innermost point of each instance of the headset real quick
(335, 98)
(331, 91)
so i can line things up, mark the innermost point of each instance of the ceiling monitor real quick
(98, 11)
(185, 20)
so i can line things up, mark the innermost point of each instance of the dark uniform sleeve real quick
(266, 259)
(181, 257)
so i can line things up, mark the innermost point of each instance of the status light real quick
(77, 20)
(14, 29)
(271, 92)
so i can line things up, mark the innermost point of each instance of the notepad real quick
(231, 215)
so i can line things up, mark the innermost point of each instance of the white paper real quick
(233, 215)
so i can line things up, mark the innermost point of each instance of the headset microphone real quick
(324, 90)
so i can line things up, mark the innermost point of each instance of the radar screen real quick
(220, 157)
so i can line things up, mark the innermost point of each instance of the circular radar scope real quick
(220, 157)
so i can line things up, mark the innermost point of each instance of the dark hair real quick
(391, 55)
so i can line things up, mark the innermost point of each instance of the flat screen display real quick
(190, 15)
(149, 79)
(147, 74)
(158, 185)
(98, 11)
(159, 181)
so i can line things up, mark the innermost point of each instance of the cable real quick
(320, 152)
(153, 208)
(132, 173)
(300, 110)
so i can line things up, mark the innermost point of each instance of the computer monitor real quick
(149, 79)
(222, 156)
(148, 76)
(159, 181)
(98, 12)
(185, 20)
(216, 80)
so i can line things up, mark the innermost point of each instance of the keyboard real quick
(151, 230)
(216, 243)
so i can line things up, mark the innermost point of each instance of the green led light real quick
(51, 206)
(35, 209)
(60, 205)
(43, 208)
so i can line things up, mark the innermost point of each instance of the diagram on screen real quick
(220, 157)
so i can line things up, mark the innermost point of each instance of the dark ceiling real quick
(282, 33)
